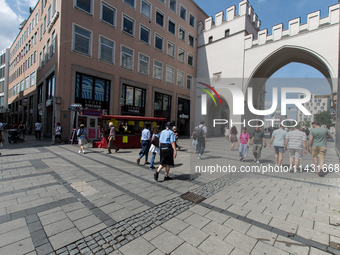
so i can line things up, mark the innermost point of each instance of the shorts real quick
(319, 151)
(295, 153)
(280, 149)
(57, 136)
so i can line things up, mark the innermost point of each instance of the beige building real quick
(125, 57)
(317, 104)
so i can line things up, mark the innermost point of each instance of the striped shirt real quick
(295, 139)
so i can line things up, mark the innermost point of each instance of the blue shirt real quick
(279, 137)
(145, 134)
(167, 136)
(81, 133)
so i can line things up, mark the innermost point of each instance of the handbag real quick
(155, 141)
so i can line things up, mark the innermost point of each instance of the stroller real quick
(14, 136)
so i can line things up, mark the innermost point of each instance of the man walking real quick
(296, 142)
(112, 137)
(38, 127)
(258, 138)
(278, 141)
(201, 133)
(318, 144)
(146, 137)
(57, 133)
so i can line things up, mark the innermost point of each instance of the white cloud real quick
(10, 22)
(24, 5)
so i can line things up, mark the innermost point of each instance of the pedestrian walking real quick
(233, 137)
(82, 135)
(154, 148)
(243, 144)
(112, 137)
(318, 144)
(1, 137)
(57, 134)
(226, 134)
(176, 137)
(278, 141)
(38, 127)
(201, 133)
(258, 141)
(167, 151)
(22, 129)
(146, 137)
(296, 142)
(194, 140)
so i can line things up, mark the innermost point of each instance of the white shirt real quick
(38, 126)
(57, 130)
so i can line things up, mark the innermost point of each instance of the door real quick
(93, 128)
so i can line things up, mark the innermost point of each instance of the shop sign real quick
(92, 112)
(125, 139)
(92, 104)
(49, 102)
(183, 116)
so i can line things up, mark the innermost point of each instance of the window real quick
(44, 24)
(106, 50)
(143, 67)
(145, 9)
(181, 34)
(41, 31)
(192, 20)
(33, 23)
(130, 2)
(157, 70)
(191, 40)
(82, 40)
(27, 82)
(158, 42)
(181, 54)
(49, 16)
(173, 5)
(54, 6)
(189, 81)
(48, 50)
(35, 57)
(227, 33)
(183, 13)
(35, 37)
(170, 72)
(190, 60)
(160, 18)
(162, 1)
(128, 25)
(40, 60)
(210, 39)
(144, 34)
(50, 82)
(85, 5)
(53, 43)
(180, 79)
(135, 98)
(44, 55)
(172, 27)
(171, 49)
(36, 18)
(22, 85)
(127, 58)
(28, 62)
(108, 14)
(32, 79)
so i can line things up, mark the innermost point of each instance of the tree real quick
(305, 123)
(324, 118)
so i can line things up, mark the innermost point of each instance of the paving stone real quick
(237, 225)
(215, 246)
(187, 249)
(20, 247)
(284, 225)
(291, 246)
(193, 236)
(57, 227)
(216, 230)
(261, 235)
(197, 221)
(12, 225)
(217, 217)
(166, 242)
(64, 238)
(260, 247)
(313, 235)
(44, 249)
(14, 236)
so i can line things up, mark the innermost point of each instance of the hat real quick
(110, 124)
(173, 127)
(169, 124)
(82, 125)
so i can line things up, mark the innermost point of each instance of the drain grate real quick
(192, 197)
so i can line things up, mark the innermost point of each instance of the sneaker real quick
(155, 176)
(52, 143)
(167, 178)
(254, 159)
(199, 156)
(117, 150)
(79, 151)
(290, 169)
(147, 163)
(241, 159)
(83, 152)
(258, 162)
(138, 160)
(295, 171)
(152, 167)
(276, 165)
(109, 152)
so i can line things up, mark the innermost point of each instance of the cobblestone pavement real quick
(57, 201)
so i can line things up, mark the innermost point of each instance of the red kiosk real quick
(128, 130)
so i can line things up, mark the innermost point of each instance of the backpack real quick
(199, 131)
(61, 130)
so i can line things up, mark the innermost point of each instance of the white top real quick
(38, 126)
(57, 130)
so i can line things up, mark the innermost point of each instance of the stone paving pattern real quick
(56, 201)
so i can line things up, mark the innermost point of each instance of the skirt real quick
(81, 141)
(233, 138)
(166, 155)
(153, 149)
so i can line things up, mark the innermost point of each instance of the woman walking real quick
(22, 129)
(226, 133)
(82, 135)
(243, 144)
(194, 140)
(154, 146)
(233, 137)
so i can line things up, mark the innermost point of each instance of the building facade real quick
(317, 104)
(128, 57)
(4, 70)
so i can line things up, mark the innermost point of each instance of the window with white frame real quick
(54, 6)
(181, 54)
(173, 5)
(49, 16)
(53, 43)
(157, 69)
(108, 14)
(183, 12)
(143, 64)
(190, 60)
(130, 2)
(82, 40)
(32, 79)
(128, 25)
(106, 50)
(191, 40)
(159, 18)
(84, 5)
(162, 1)
(145, 9)
(170, 72)
(35, 57)
(22, 85)
(144, 34)
(172, 27)
(44, 56)
(48, 50)
(171, 49)
(36, 18)
(158, 42)
(189, 81)
(180, 78)
(33, 23)
(127, 58)
(192, 20)
(44, 24)
(27, 82)
(28, 62)
(182, 34)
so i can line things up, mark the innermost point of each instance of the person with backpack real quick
(154, 146)
(82, 135)
(57, 134)
(201, 133)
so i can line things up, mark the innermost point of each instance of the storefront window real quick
(162, 105)
(134, 100)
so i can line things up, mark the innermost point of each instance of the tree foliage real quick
(324, 118)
